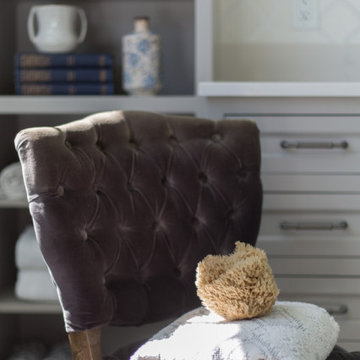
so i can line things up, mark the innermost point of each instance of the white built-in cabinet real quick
(310, 138)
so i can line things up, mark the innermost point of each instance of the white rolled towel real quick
(35, 285)
(27, 251)
(60, 351)
(28, 351)
(12, 183)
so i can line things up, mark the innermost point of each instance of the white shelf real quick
(27, 105)
(10, 304)
(278, 89)
(13, 204)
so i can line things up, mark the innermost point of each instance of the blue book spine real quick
(64, 89)
(34, 60)
(101, 75)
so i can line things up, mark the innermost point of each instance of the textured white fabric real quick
(28, 351)
(33, 278)
(292, 331)
(37, 351)
(35, 285)
(59, 351)
(12, 182)
(27, 251)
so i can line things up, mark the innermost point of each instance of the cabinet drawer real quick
(295, 183)
(309, 144)
(340, 306)
(320, 266)
(293, 153)
(350, 331)
(350, 345)
(272, 124)
(302, 202)
(344, 308)
(314, 224)
(294, 285)
(310, 225)
(308, 246)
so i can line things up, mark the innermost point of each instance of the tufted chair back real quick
(125, 204)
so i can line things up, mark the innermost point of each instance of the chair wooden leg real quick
(85, 345)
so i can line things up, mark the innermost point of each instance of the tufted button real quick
(195, 222)
(84, 235)
(202, 178)
(173, 141)
(216, 138)
(164, 181)
(158, 225)
(130, 187)
(133, 144)
(100, 145)
(231, 213)
(241, 175)
(60, 190)
(177, 272)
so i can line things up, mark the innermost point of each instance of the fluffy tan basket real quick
(237, 286)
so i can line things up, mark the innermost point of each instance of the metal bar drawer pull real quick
(313, 145)
(337, 309)
(285, 225)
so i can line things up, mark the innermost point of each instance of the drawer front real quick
(340, 306)
(301, 266)
(350, 345)
(307, 144)
(311, 224)
(310, 247)
(294, 285)
(350, 331)
(293, 153)
(285, 183)
(346, 311)
(305, 124)
(311, 202)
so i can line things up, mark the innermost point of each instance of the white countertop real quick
(279, 89)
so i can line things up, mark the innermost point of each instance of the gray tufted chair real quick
(125, 204)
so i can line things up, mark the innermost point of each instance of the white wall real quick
(258, 40)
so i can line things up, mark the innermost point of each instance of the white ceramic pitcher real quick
(56, 30)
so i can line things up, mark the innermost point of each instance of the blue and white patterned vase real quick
(141, 60)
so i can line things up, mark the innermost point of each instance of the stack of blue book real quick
(63, 74)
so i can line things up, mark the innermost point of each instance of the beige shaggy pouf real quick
(237, 286)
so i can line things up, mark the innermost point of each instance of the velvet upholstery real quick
(125, 204)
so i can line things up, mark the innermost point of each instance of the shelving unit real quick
(108, 20)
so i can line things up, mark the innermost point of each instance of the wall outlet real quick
(305, 14)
